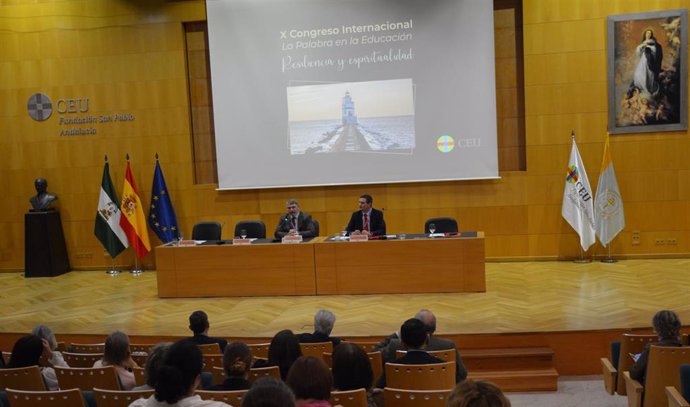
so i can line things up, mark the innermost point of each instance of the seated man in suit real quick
(367, 220)
(323, 325)
(414, 340)
(429, 320)
(295, 222)
(198, 323)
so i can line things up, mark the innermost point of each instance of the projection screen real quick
(329, 92)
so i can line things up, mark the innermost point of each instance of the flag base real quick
(609, 260)
(582, 260)
(112, 272)
(136, 271)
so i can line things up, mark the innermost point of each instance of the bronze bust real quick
(42, 200)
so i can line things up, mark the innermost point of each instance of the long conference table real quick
(323, 266)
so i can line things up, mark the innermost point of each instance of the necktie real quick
(366, 222)
(294, 222)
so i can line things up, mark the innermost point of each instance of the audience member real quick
(56, 358)
(478, 393)
(414, 339)
(282, 352)
(435, 343)
(178, 378)
(311, 381)
(366, 220)
(237, 360)
(153, 362)
(198, 323)
(323, 325)
(295, 222)
(117, 354)
(27, 351)
(269, 392)
(667, 327)
(352, 370)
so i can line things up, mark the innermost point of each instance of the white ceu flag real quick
(608, 206)
(578, 208)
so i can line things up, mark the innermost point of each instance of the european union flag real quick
(162, 217)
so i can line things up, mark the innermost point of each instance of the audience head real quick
(413, 334)
(178, 375)
(44, 332)
(283, 351)
(351, 368)
(237, 360)
(154, 361)
(324, 321)
(116, 349)
(309, 378)
(470, 393)
(198, 322)
(666, 324)
(26, 352)
(269, 392)
(429, 319)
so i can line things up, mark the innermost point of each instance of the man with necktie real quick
(367, 220)
(295, 222)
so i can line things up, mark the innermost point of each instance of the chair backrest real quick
(141, 347)
(259, 350)
(61, 398)
(210, 348)
(218, 374)
(81, 359)
(415, 398)
(663, 370)
(119, 398)
(316, 226)
(259, 372)
(630, 343)
(139, 375)
(6, 357)
(443, 225)
(139, 358)
(447, 355)
(366, 346)
(87, 378)
(87, 348)
(349, 398)
(211, 361)
(206, 231)
(435, 376)
(61, 347)
(22, 378)
(255, 228)
(316, 349)
(232, 397)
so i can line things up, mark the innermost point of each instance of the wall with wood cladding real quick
(126, 57)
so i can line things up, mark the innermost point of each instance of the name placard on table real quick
(291, 239)
(359, 238)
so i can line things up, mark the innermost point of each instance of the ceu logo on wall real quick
(40, 107)
(445, 144)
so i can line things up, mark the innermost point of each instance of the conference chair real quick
(415, 398)
(139, 375)
(434, 376)
(255, 229)
(81, 359)
(211, 361)
(680, 398)
(60, 398)
(210, 348)
(141, 347)
(316, 226)
(22, 378)
(87, 348)
(443, 225)
(349, 398)
(662, 371)
(447, 355)
(88, 378)
(259, 350)
(119, 398)
(316, 349)
(232, 397)
(366, 346)
(206, 231)
(259, 372)
(139, 358)
(621, 360)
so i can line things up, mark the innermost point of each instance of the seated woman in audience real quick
(667, 327)
(153, 362)
(27, 351)
(352, 370)
(177, 379)
(47, 335)
(269, 392)
(470, 393)
(282, 352)
(117, 354)
(237, 360)
(311, 381)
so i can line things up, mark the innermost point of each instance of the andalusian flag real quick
(133, 221)
(108, 229)
(162, 217)
(608, 206)
(578, 202)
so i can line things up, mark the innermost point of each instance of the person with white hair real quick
(324, 321)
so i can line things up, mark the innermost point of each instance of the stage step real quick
(513, 369)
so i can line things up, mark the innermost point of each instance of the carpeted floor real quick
(574, 391)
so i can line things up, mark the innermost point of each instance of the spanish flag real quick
(133, 221)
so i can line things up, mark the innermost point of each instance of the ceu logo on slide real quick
(445, 144)
(573, 175)
(40, 107)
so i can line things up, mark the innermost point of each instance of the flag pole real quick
(136, 270)
(609, 259)
(112, 271)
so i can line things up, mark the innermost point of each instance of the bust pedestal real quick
(45, 252)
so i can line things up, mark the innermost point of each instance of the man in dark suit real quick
(367, 220)
(323, 325)
(295, 222)
(414, 339)
(198, 323)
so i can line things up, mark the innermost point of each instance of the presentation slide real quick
(332, 92)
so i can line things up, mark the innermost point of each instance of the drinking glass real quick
(343, 233)
(432, 229)
(243, 233)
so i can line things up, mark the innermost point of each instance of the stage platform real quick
(525, 304)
